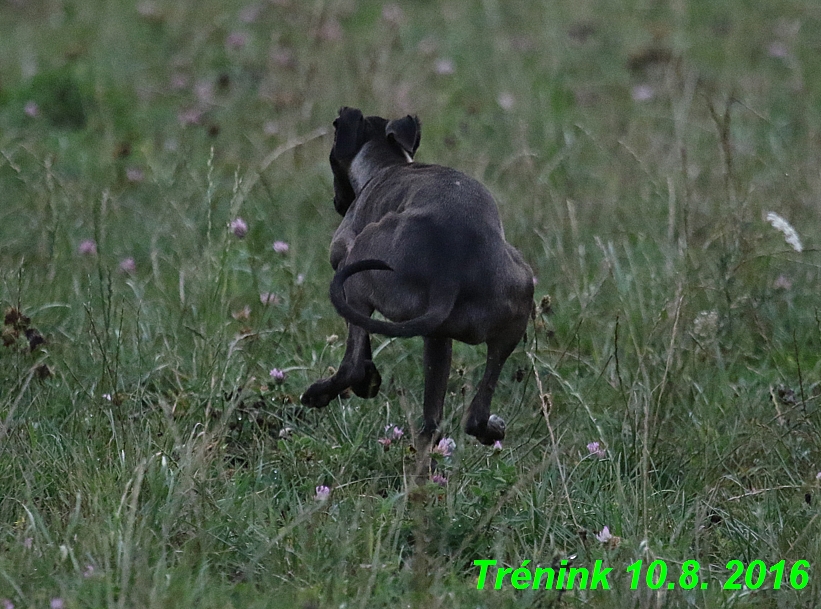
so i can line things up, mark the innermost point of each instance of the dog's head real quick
(392, 142)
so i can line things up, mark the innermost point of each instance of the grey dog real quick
(424, 246)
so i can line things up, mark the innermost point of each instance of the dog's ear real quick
(407, 132)
(350, 133)
(344, 194)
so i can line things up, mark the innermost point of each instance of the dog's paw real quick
(368, 387)
(495, 429)
(488, 432)
(317, 396)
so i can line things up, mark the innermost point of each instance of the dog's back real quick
(440, 232)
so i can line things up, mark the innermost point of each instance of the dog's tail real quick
(418, 326)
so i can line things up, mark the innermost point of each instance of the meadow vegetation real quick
(153, 451)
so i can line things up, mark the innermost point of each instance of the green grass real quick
(147, 458)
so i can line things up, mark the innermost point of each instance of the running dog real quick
(424, 246)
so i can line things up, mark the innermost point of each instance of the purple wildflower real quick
(778, 50)
(280, 247)
(322, 493)
(236, 40)
(604, 536)
(128, 266)
(595, 448)
(250, 13)
(190, 116)
(204, 91)
(445, 447)
(782, 282)
(88, 247)
(134, 174)
(331, 31)
(178, 81)
(284, 58)
(642, 93)
(239, 227)
(393, 14)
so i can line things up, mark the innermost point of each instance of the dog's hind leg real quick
(438, 352)
(356, 371)
(488, 428)
(368, 387)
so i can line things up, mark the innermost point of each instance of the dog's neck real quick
(367, 163)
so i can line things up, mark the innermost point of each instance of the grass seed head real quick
(790, 234)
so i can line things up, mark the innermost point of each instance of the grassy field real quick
(153, 452)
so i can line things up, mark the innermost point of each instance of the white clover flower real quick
(506, 100)
(444, 67)
(705, 325)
